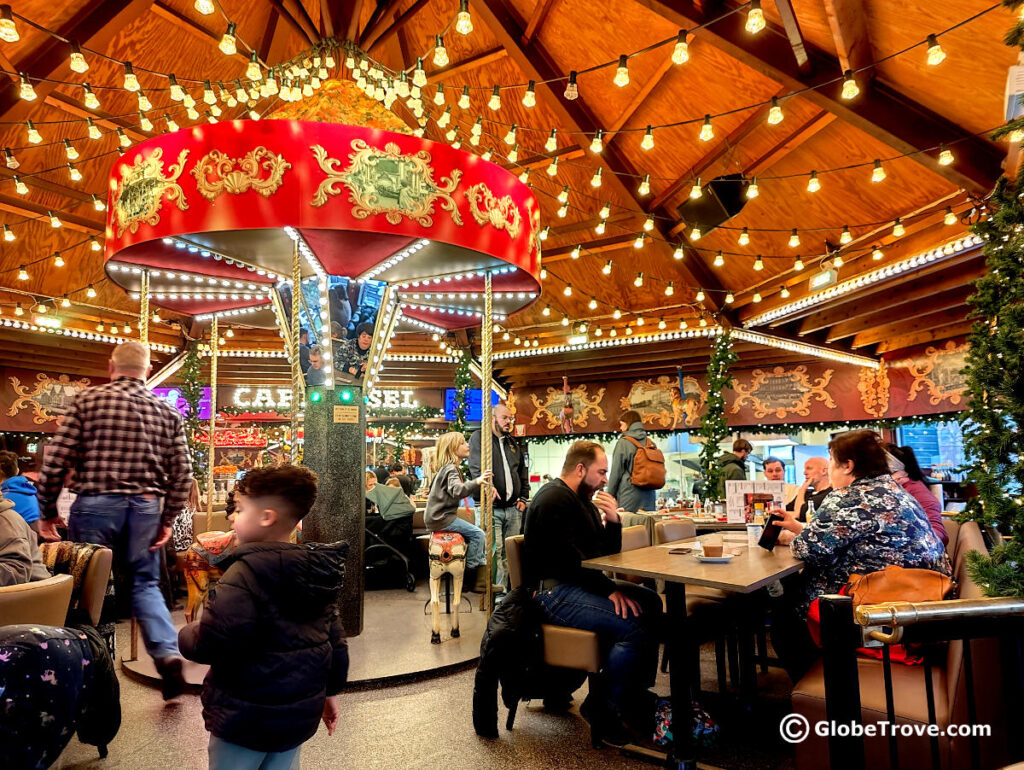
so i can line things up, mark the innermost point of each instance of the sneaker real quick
(605, 725)
(173, 684)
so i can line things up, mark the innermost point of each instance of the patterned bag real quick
(705, 729)
(182, 533)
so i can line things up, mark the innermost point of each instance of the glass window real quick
(939, 446)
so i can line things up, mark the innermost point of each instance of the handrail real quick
(901, 614)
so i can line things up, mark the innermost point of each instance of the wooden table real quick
(750, 570)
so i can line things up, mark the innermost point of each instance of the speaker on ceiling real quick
(723, 198)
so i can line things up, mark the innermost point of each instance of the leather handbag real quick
(898, 584)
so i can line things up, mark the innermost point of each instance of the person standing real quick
(734, 464)
(620, 484)
(815, 488)
(132, 474)
(511, 483)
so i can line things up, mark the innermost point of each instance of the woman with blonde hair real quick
(447, 491)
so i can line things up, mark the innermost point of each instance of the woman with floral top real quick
(865, 524)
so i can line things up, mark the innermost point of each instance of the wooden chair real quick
(42, 602)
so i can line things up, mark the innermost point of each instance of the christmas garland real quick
(837, 425)
(463, 381)
(714, 426)
(415, 413)
(192, 393)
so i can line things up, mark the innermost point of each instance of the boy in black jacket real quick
(271, 635)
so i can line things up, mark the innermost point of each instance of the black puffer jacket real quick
(274, 642)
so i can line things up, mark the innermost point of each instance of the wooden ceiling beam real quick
(94, 25)
(352, 25)
(796, 39)
(396, 26)
(22, 207)
(378, 21)
(880, 111)
(181, 21)
(919, 338)
(596, 246)
(790, 142)
(41, 184)
(905, 311)
(537, 65)
(294, 14)
(540, 12)
(923, 323)
(74, 107)
(536, 161)
(639, 98)
(460, 68)
(848, 21)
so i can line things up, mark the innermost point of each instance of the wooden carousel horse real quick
(201, 570)
(447, 554)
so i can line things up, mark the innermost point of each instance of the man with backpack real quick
(637, 469)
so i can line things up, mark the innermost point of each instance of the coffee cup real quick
(713, 548)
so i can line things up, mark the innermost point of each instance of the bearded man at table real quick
(570, 520)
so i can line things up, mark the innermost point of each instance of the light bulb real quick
(945, 156)
(192, 112)
(98, 204)
(794, 239)
(510, 137)
(645, 186)
(752, 189)
(662, 324)
(798, 264)
(719, 260)
(205, 7)
(598, 332)
(530, 96)
(707, 131)
(649, 223)
(94, 131)
(846, 236)
(34, 136)
(613, 333)
(670, 289)
(478, 127)
(607, 269)
(122, 138)
(440, 54)
(144, 103)
(640, 320)
(629, 330)
(69, 150)
(227, 41)
(54, 220)
(850, 87)
(23, 274)
(595, 181)
(156, 317)
(9, 160)
(171, 124)
(621, 78)
(74, 173)
(253, 71)
(464, 98)
(758, 263)
(641, 239)
(565, 320)
(597, 143)
(600, 228)
(757, 296)
(617, 314)
(935, 53)
(95, 245)
(90, 100)
(729, 298)
(744, 238)
(27, 92)
(523, 177)
(784, 292)
(58, 260)
(20, 187)
(8, 29)
(647, 143)
(9, 234)
(445, 118)
(837, 261)
(576, 251)
(950, 217)
(145, 123)
(572, 90)
(606, 210)
(463, 21)
(127, 328)
(546, 311)
(65, 302)
(695, 233)
(755, 18)
(681, 51)
(813, 185)
(877, 254)
(439, 95)
(131, 83)
(552, 141)
(177, 92)
(695, 191)
(19, 310)
(678, 253)
(567, 291)
(775, 112)
(90, 292)
(494, 102)
(898, 229)
(253, 115)
(878, 173)
(552, 168)
(563, 211)
(563, 194)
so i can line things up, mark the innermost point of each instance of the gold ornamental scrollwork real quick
(783, 392)
(583, 404)
(940, 373)
(260, 170)
(388, 182)
(142, 189)
(48, 398)
(499, 213)
(873, 385)
(660, 403)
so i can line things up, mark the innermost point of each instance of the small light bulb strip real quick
(452, 311)
(222, 353)
(235, 311)
(424, 358)
(207, 253)
(642, 339)
(388, 316)
(436, 280)
(470, 295)
(881, 274)
(200, 296)
(77, 334)
(307, 253)
(803, 348)
(422, 324)
(187, 277)
(394, 259)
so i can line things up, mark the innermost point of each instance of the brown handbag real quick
(898, 584)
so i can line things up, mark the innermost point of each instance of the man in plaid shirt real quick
(132, 475)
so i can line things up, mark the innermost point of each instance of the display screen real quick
(173, 397)
(474, 404)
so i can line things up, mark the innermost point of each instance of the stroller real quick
(383, 561)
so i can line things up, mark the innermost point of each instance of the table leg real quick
(681, 651)
(750, 622)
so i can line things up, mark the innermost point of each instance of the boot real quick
(479, 582)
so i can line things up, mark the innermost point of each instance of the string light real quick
(563, 211)
(617, 314)
(850, 87)
(10, 236)
(552, 168)
(530, 97)
(649, 223)
(227, 42)
(171, 124)
(54, 220)
(775, 112)
(897, 228)
(205, 7)
(23, 274)
(670, 289)
(681, 51)
(177, 93)
(494, 102)
(719, 260)
(19, 310)
(700, 295)
(545, 312)
(439, 95)
(752, 189)
(759, 263)
(784, 293)
(27, 92)
(463, 21)
(253, 71)
(510, 137)
(595, 181)
(572, 90)
(565, 320)
(464, 99)
(567, 291)
(74, 173)
(757, 297)
(678, 253)
(552, 143)
(98, 204)
(878, 173)
(621, 78)
(90, 292)
(707, 131)
(640, 241)
(563, 194)
(95, 245)
(144, 103)
(755, 18)
(9, 160)
(440, 54)
(8, 29)
(576, 251)
(794, 239)
(131, 83)
(597, 144)
(695, 191)
(607, 269)
(123, 139)
(645, 186)
(19, 186)
(950, 217)
(744, 237)
(69, 150)
(58, 260)
(33, 135)
(813, 185)
(837, 261)
(945, 156)
(876, 253)
(729, 299)
(64, 301)
(935, 53)
(145, 123)
(846, 236)
(798, 264)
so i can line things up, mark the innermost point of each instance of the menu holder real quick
(746, 500)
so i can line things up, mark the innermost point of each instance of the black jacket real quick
(518, 464)
(561, 531)
(274, 642)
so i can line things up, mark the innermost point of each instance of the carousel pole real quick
(144, 309)
(214, 345)
(293, 453)
(486, 459)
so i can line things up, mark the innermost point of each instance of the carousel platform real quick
(393, 648)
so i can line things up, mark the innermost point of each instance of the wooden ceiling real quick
(906, 108)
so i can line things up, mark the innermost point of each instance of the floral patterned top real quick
(864, 528)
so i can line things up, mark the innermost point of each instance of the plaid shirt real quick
(119, 439)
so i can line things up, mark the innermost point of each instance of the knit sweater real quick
(446, 492)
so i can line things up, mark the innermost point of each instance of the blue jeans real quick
(128, 525)
(631, 663)
(231, 756)
(507, 522)
(474, 541)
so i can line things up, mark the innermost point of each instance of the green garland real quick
(995, 387)
(192, 392)
(416, 412)
(463, 381)
(715, 427)
(836, 425)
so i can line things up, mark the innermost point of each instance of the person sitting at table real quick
(908, 474)
(775, 470)
(867, 523)
(20, 560)
(814, 489)
(563, 528)
(18, 489)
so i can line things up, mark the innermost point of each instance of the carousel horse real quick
(201, 570)
(447, 554)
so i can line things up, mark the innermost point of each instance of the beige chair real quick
(218, 523)
(94, 582)
(42, 602)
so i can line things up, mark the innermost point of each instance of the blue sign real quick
(474, 404)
